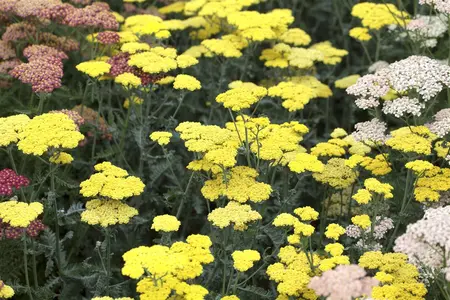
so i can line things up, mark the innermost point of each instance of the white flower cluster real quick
(441, 123)
(365, 242)
(427, 241)
(426, 30)
(377, 66)
(369, 89)
(345, 282)
(442, 6)
(370, 131)
(418, 74)
(402, 106)
(422, 74)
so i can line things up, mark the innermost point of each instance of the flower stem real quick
(52, 195)
(25, 267)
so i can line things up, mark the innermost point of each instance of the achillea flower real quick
(161, 137)
(345, 282)
(8, 65)
(402, 106)
(93, 118)
(111, 182)
(296, 37)
(61, 158)
(336, 174)
(334, 231)
(295, 95)
(107, 213)
(440, 5)
(235, 214)
(362, 221)
(6, 291)
(186, 82)
(419, 166)
(132, 100)
(306, 162)
(241, 97)
(360, 34)
(425, 30)
(108, 37)
(334, 249)
(10, 127)
(95, 15)
(36, 52)
(48, 131)
(368, 89)
(415, 139)
(62, 43)
(10, 181)
(19, 214)
(240, 185)
(244, 260)
(166, 223)
(222, 47)
(19, 31)
(73, 115)
(6, 51)
(13, 233)
(128, 80)
(376, 16)
(347, 81)
(306, 213)
(377, 66)
(372, 131)
(441, 123)
(133, 47)
(375, 186)
(94, 68)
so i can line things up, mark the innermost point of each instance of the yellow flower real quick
(306, 213)
(166, 223)
(306, 162)
(336, 174)
(232, 297)
(362, 221)
(128, 80)
(239, 185)
(166, 80)
(107, 212)
(6, 291)
(49, 131)
(185, 61)
(384, 277)
(415, 139)
(334, 249)
(156, 60)
(296, 37)
(363, 196)
(233, 213)
(111, 182)
(360, 34)
(146, 25)
(161, 137)
(176, 7)
(345, 82)
(295, 95)
(244, 260)
(334, 231)
(284, 219)
(373, 185)
(338, 133)
(19, 214)
(61, 158)
(94, 68)
(327, 149)
(10, 127)
(241, 97)
(222, 47)
(133, 47)
(186, 82)
(376, 16)
(423, 194)
(419, 166)
(127, 36)
(331, 55)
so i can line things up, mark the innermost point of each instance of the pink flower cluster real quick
(108, 37)
(13, 233)
(10, 180)
(75, 116)
(119, 65)
(345, 282)
(44, 69)
(6, 51)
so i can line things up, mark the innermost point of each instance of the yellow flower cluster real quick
(111, 182)
(234, 213)
(166, 223)
(334, 231)
(163, 271)
(217, 146)
(362, 221)
(360, 34)
(241, 95)
(10, 127)
(295, 95)
(222, 47)
(335, 249)
(375, 186)
(161, 60)
(399, 279)
(306, 162)
(19, 214)
(239, 184)
(336, 174)
(296, 37)
(133, 47)
(94, 68)
(61, 158)
(417, 139)
(146, 24)
(232, 297)
(107, 212)
(161, 137)
(128, 80)
(186, 82)
(301, 227)
(376, 16)
(419, 166)
(431, 183)
(6, 291)
(48, 131)
(244, 260)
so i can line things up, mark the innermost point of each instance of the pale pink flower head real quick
(6, 51)
(371, 131)
(345, 282)
(108, 37)
(441, 123)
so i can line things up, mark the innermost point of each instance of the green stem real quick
(108, 254)
(180, 102)
(55, 207)
(180, 208)
(25, 266)
(35, 277)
